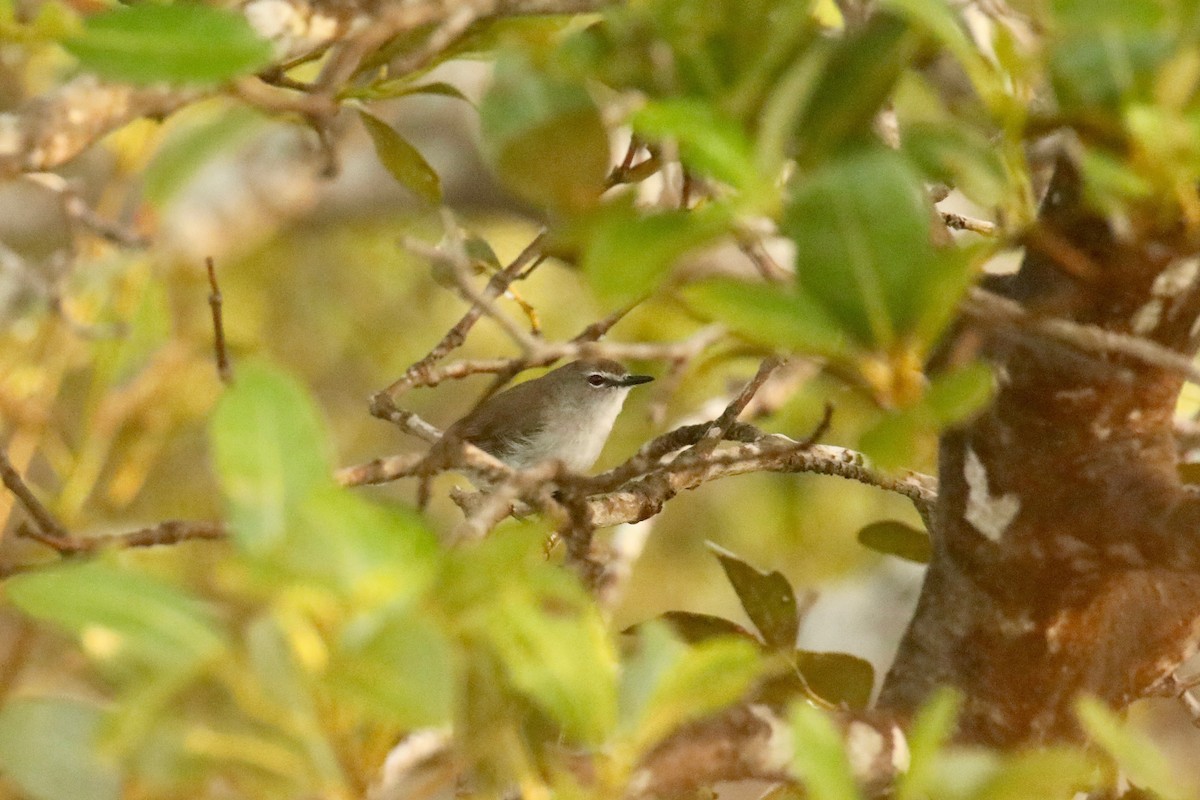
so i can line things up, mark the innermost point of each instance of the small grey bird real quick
(565, 414)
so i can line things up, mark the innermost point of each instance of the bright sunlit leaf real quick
(177, 42)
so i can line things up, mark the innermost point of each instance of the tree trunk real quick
(1065, 546)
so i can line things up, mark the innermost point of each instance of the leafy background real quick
(289, 661)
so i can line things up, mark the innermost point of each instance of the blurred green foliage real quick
(287, 661)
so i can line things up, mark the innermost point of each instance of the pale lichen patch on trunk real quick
(987, 513)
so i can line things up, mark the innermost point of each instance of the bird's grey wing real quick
(506, 417)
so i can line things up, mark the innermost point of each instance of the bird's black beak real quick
(634, 380)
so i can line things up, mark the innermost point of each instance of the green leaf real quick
(694, 628)
(402, 160)
(118, 613)
(767, 598)
(946, 26)
(1053, 772)
(48, 749)
(368, 551)
(544, 137)
(933, 725)
(181, 43)
(777, 316)
(630, 251)
(954, 397)
(820, 756)
(397, 666)
(540, 625)
(1096, 70)
(893, 538)
(838, 677)
(955, 154)
(271, 452)
(891, 442)
(1139, 759)
(283, 681)
(668, 684)
(861, 224)
(709, 144)
(280, 676)
(857, 79)
(1091, 15)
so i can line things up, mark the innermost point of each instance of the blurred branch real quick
(46, 523)
(959, 222)
(546, 353)
(744, 742)
(993, 309)
(79, 213)
(224, 370)
(169, 532)
(49, 130)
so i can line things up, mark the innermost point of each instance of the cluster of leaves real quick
(337, 623)
(746, 94)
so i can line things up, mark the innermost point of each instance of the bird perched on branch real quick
(566, 414)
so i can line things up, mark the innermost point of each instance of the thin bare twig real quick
(453, 255)
(169, 532)
(224, 370)
(959, 222)
(723, 423)
(42, 518)
(418, 373)
(79, 213)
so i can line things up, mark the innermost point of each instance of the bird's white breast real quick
(574, 435)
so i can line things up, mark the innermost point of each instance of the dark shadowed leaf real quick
(402, 160)
(1099, 72)
(49, 748)
(838, 677)
(767, 598)
(179, 43)
(693, 628)
(894, 538)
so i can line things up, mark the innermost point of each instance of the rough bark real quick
(1065, 546)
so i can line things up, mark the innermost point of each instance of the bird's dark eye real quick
(596, 379)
